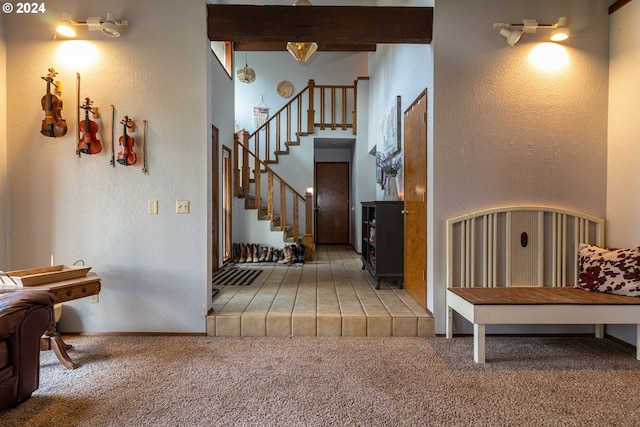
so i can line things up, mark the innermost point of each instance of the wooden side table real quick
(63, 291)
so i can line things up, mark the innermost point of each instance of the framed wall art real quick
(390, 128)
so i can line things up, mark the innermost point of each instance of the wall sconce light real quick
(108, 27)
(302, 51)
(513, 32)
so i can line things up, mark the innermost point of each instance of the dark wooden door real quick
(332, 203)
(415, 199)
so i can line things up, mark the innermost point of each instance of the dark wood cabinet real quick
(382, 240)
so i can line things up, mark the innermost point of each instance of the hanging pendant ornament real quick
(246, 74)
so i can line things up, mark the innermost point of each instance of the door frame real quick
(215, 199)
(415, 252)
(227, 205)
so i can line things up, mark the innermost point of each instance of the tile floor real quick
(330, 296)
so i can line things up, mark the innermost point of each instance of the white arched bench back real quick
(518, 246)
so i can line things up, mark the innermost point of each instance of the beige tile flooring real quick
(330, 296)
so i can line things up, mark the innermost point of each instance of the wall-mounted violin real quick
(53, 124)
(126, 156)
(88, 142)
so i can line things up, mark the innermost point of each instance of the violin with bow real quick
(53, 125)
(89, 142)
(126, 156)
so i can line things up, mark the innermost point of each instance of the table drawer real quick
(76, 291)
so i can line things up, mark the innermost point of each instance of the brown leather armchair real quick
(24, 316)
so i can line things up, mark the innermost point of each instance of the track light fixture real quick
(512, 36)
(108, 27)
(513, 32)
(561, 32)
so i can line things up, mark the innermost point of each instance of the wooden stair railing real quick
(290, 122)
(253, 153)
(289, 197)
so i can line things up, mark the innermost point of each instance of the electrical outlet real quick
(153, 207)
(94, 299)
(182, 206)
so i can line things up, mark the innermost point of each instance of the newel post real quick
(354, 117)
(308, 231)
(236, 165)
(311, 120)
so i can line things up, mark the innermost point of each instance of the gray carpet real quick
(313, 381)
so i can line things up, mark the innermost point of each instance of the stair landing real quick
(331, 296)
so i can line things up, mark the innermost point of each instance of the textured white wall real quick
(221, 103)
(623, 195)
(623, 174)
(154, 267)
(405, 70)
(363, 187)
(505, 131)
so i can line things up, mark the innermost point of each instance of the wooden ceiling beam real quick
(326, 47)
(332, 25)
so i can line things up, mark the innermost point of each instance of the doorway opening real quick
(333, 190)
(332, 203)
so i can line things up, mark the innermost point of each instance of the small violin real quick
(126, 156)
(53, 125)
(89, 142)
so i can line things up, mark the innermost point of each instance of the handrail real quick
(284, 187)
(333, 100)
(299, 95)
(266, 166)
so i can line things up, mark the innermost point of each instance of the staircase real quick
(256, 156)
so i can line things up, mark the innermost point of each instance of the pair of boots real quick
(286, 256)
(246, 253)
(297, 252)
(273, 255)
(252, 252)
(293, 254)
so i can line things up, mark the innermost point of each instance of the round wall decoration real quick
(284, 89)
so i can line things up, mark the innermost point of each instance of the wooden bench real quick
(519, 265)
(544, 305)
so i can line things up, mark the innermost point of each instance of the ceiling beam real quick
(327, 25)
(326, 47)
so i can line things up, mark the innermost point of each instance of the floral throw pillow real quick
(611, 271)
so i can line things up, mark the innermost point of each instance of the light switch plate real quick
(153, 207)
